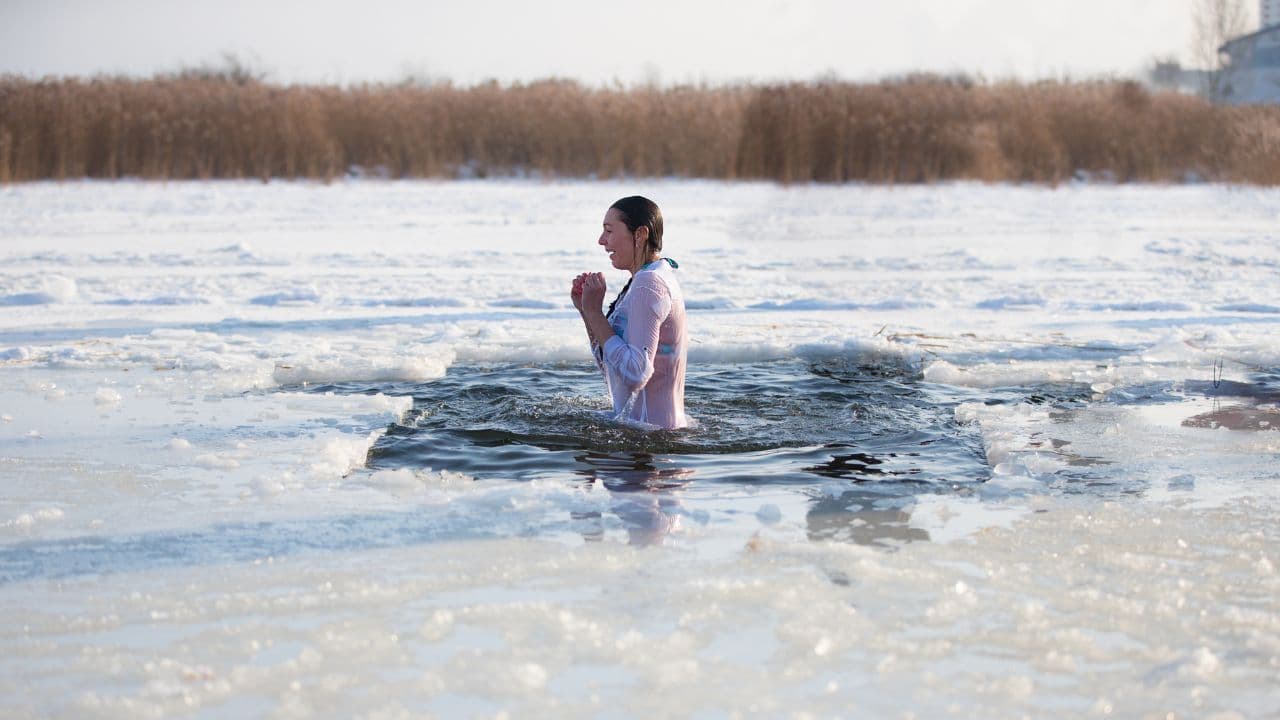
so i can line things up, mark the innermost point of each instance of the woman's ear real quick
(642, 234)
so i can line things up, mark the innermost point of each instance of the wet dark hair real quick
(637, 212)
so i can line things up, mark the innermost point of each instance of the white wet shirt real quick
(644, 361)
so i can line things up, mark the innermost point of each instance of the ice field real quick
(301, 450)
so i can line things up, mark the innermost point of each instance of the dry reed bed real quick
(906, 131)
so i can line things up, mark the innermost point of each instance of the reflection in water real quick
(649, 518)
(854, 466)
(1251, 403)
(645, 494)
(863, 518)
(625, 472)
(1236, 417)
(646, 491)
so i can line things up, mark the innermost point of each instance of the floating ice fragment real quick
(17, 353)
(69, 357)
(1203, 664)
(1042, 463)
(439, 625)
(531, 675)
(998, 486)
(27, 520)
(175, 333)
(943, 372)
(823, 647)
(215, 462)
(1173, 347)
(1010, 302)
(339, 456)
(62, 289)
(1249, 308)
(399, 480)
(769, 514)
(56, 289)
(179, 444)
(297, 296)
(353, 369)
(106, 396)
(6, 418)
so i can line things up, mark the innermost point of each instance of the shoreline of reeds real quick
(914, 130)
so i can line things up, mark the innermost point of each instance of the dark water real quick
(860, 441)
(790, 422)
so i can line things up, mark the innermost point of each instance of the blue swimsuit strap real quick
(670, 262)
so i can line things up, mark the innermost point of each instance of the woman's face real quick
(618, 241)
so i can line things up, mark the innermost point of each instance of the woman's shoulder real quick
(656, 274)
(657, 282)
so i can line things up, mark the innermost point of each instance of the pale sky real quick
(593, 40)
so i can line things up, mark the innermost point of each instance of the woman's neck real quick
(645, 262)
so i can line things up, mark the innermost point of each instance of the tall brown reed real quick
(916, 129)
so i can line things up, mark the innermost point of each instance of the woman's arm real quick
(598, 328)
(575, 294)
(632, 355)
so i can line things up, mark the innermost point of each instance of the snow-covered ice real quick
(190, 524)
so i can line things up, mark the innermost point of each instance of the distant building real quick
(1269, 13)
(1249, 72)
(1252, 71)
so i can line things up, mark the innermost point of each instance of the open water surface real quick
(878, 427)
(780, 422)
(856, 443)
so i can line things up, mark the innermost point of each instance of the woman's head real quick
(632, 232)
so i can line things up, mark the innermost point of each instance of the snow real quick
(188, 527)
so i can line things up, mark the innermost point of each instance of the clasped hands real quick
(588, 291)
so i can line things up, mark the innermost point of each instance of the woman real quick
(640, 342)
